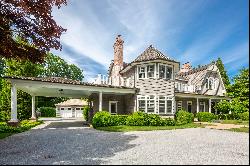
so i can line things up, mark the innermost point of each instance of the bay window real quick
(142, 104)
(162, 105)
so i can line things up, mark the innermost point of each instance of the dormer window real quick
(165, 71)
(150, 70)
(142, 72)
(210, 83)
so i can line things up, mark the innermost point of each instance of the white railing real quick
(115, 81)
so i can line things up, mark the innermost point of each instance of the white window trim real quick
(178, 104)
(115, 102)
(202, 103)
(146, 70)
(163, 64)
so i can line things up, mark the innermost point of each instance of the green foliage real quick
(244, 116)
(24, 125)
(239, 91)
(223, 107)
(47, 111)
(86, 110)
(167, 122)
(101, 119)
(143, 119)
(205, 116)
(117, 120)
(53, 66)
(183, 117)
(223, 72)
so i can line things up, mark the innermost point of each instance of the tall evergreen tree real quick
(223, 72)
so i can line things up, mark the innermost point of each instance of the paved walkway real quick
(221, 126)
(71, 143)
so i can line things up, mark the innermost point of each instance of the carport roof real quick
(61, 87)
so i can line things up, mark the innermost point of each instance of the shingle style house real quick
(162, 85)
(153, 83)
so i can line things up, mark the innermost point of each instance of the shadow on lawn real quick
(63, 146)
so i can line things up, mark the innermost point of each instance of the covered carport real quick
(58, 87)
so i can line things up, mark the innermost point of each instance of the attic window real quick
(150, 70)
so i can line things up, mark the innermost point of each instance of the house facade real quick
(162, 84)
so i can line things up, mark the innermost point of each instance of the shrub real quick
(86, 110)
(24, 125)
(117, 120)
(223, 107)
(167, 122)
(137, 119)
(47, 111)
(205, 116)
(152, 120)
(4, 116)
(244, 116)
(183, 117)
(101, 119)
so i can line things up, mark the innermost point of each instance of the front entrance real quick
(113, 107)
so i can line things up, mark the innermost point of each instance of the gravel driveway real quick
(58, 144)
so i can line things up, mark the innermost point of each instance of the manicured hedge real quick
(244, 116)
(47, 111)
(143, 119)
(205, 116)
(183, 117)
(86, 110)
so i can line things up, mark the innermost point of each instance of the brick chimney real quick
(118, 51)
(185, 67)
(115, 77)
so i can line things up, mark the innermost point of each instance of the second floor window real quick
(142, 72)
(150, 70)
(165, 72)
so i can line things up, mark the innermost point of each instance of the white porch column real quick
(33, 116)
(197, 105)
(100, 101)
(209, 105)
(13, 103)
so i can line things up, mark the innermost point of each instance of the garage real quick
(71, 108)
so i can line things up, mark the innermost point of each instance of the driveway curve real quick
(67, 143)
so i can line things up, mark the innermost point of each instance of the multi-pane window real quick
(142, 104)
(151, 104)
(211, 83)
(207, 83)
(162, 71)
(151, 71)
(169, 106)
(179, 105)
(168, 72)
(202, 106)
(148, 104)
(162, 104)
(142, 72)
(165, 72)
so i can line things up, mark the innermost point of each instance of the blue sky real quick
(197, 31)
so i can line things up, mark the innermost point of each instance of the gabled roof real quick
(149, 54)
(71, 102)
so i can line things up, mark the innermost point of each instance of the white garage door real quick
(78, 112)
(66, 112)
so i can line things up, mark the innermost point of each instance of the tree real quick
(33, 23)
(223, 72)
(55, 66)
(240, 87)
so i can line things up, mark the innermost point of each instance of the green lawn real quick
(147, 128)
(238, 122)
(242, 129)
(3, 135)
